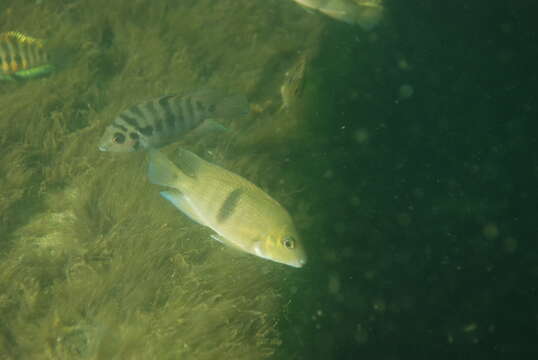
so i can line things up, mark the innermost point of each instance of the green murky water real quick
(408, 164)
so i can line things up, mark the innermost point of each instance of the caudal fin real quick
(232, 106)
(162, 171)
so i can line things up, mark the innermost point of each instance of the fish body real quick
(294, 80)
(22, 57)
(241, 214)
(160, 121)
(365, 13)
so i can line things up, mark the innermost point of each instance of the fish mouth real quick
(102, 148)
(301, 263)
(298, 263)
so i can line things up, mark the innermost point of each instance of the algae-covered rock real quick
(94, 264)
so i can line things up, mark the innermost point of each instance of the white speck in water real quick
(404, 219)
(490, 231)
(355, 201)
(361, 334)
(403, 64)
(405, 92)
(510, 244)
(334, 284)
(470, 327)
(361, 136)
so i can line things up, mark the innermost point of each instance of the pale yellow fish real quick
(293, 84)
(239, 212)
(365, 13)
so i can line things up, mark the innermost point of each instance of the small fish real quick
(160, 121)
(22, 57)
(293, 85)
(240, 213)
(365, 13)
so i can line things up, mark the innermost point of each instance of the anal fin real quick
(182, 204)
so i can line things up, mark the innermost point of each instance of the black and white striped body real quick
(160, 121)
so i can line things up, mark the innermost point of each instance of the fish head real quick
(284, 247)
(118, 140)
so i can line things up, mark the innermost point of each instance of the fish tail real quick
(162, 171)
(232, 106)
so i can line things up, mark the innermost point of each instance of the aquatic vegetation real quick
(93, 264)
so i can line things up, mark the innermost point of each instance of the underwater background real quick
(408, 164)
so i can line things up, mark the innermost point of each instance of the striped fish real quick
(22, 57)
(242, 215)
(160, 121)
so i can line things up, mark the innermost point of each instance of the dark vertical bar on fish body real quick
(198, 110)
(25, 51)
(150, 111)
(197, 113)
(27, 55)
(191, 120)
(3, 55)
(2, 49)
(117, 125)
(177, 106)
(169, 116)
(181, 114)
(229, 205)
(156, 115)
(17, 58)
(45, 56)
(10, 55)
(182, 106)
(137, 112)
(130, 120)
(146, 119)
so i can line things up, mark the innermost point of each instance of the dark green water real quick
(428, 247)
(418, 211)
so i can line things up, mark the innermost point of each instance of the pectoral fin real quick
(225, 241)
(210, 125)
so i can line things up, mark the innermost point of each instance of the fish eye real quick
(288, 242)
(118, 138)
